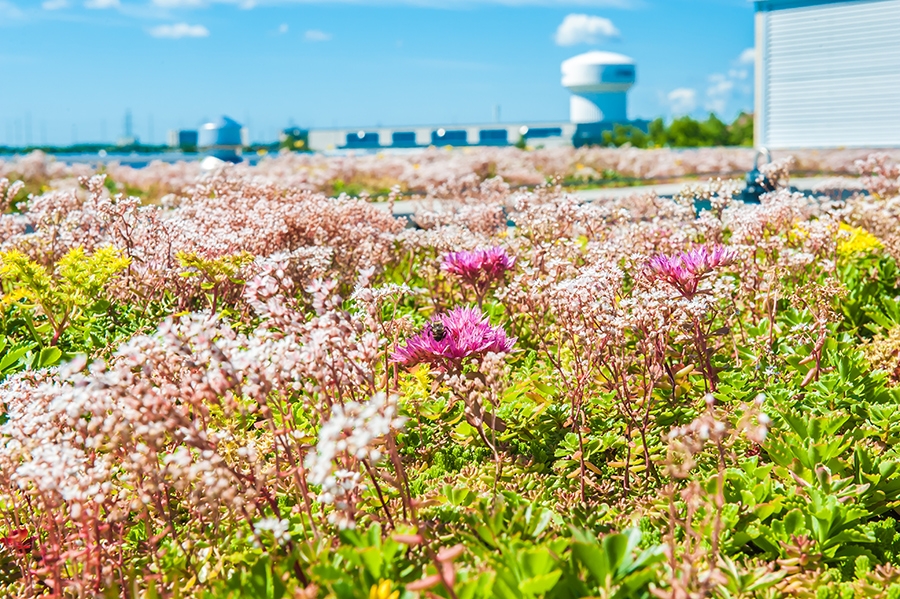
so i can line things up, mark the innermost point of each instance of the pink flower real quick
(687, 269)
(479, 268)
(452, 337)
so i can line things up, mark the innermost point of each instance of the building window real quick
(542, 132)
(493, 137)
(445, 137)
(404, 139)
(362, 139)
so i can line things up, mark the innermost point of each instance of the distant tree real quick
(657, 131)
(740, 132)
(622, 134)
(684, 132)
(713, 132)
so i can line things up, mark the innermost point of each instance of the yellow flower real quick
(798, 233)
(855, 240)
(382, 590)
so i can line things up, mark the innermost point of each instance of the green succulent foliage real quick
(214, 271)
(873, 290)
(746, 582)
(50, 314)
(64, 296)
(363, 559)
(215, 276)
(616, 566)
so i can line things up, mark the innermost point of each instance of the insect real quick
(437, 330)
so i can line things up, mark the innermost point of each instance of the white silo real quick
(222, 139)
(599, 82)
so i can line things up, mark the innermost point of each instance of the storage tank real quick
(221, 139)
(599, 82)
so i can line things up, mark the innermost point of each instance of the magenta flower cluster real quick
(450, 338)
(685, 270)
(479, 268)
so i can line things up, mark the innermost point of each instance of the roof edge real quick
(769, 5)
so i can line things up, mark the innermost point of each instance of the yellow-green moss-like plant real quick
(61, 295)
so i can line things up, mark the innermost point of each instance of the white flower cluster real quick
(352, 434)
(280, 529)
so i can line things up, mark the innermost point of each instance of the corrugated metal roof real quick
(830, 74)
(780, 4)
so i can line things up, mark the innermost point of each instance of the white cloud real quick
(314, 35)
(682, 100)
(179, 30)
(10, 11)
(283, 28)
(98, 4)
(719, 92)
(584, 29)
(748, 56)
(54, 4)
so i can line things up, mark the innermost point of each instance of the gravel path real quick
(806, 184)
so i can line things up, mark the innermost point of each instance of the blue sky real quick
(71, 68)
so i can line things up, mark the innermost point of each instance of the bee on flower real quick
(451, 338)
(438, 332)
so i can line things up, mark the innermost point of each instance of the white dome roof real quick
(598, 72)
(596, 57)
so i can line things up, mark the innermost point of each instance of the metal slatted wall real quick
(829, 73)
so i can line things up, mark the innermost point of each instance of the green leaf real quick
(372, 559)
(13, 356)
(49, 356)
(538, 585)
(594, 560)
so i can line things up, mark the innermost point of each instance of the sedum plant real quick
(289, 396)
(63, 295)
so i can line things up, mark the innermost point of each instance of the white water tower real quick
(221, 139)
(599, 82)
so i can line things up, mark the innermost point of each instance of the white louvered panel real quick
(832, 75)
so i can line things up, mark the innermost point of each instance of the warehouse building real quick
(599, 84)
(828, 73)
(547, 134)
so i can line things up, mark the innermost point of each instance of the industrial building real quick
(222, 139)
(599, 83)
(828, 73)
(548, 133)
(183, 139)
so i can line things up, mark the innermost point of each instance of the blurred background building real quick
(223, 138)
(599, 82)
(183, 139)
